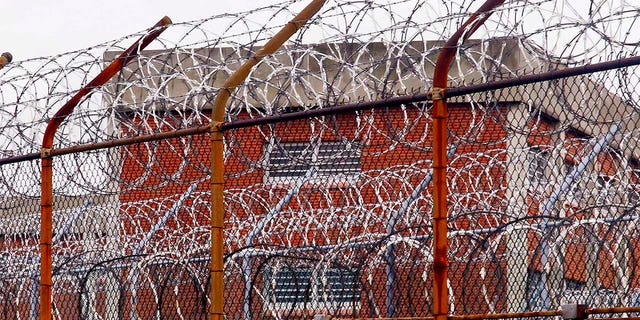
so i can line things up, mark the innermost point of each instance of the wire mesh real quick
(331, 215)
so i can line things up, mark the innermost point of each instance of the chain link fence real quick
(328, 169)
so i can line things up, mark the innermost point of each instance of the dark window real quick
(289, 161)
(574, 292)
(304, 288)
(571, 284)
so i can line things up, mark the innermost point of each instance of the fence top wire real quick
(367, 50)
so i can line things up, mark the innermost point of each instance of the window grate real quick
(302, 288)
(537, 167)
(331, 159)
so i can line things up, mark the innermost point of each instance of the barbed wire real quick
(132, 222)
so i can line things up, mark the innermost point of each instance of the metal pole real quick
(216, 312)
(46, 206)
(440, 143)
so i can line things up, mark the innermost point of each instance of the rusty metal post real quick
(216, 311)
(46, 200)
(439, 114)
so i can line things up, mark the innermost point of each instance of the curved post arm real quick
(217, 148)
(440, 144)
(114, 67)
(46, 199)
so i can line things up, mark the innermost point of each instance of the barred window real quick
(289, 161)
(537, 167)
(302, 288)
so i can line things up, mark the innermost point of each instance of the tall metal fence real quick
(328, 162)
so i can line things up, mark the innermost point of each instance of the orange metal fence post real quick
(440, 143)
(46, 200)
(217, 157)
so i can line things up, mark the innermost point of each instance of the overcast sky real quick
(35, 28)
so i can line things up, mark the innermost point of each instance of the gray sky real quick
(34, 28)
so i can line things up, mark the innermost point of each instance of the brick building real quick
(332, 215)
